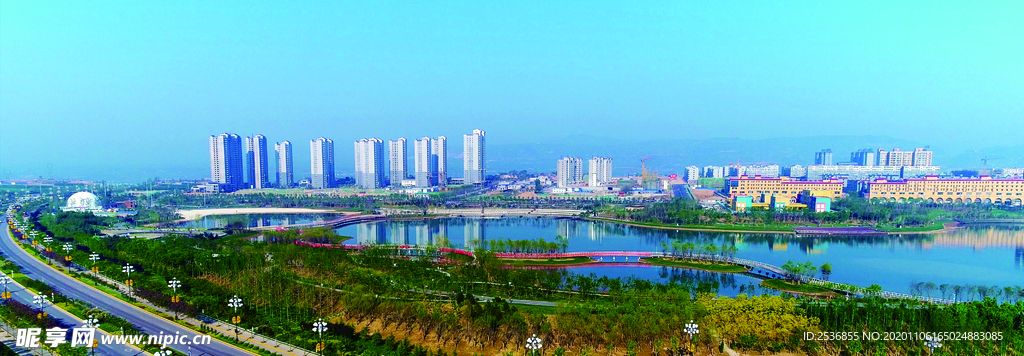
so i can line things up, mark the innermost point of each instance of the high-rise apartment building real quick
(285, 165)
(398, 162)
(794, 171)
(600, 171)
(226, 161)
(257, 158)
(714, 172)
(823, 157)
(922, 157)
(864, 157)
(424, 158)
(439, 159)
(321, 160)
(692, 173)
(570, 171)
(896, 157)
(474, 157)
(369, 159)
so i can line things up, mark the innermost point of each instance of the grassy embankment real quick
(795, 288)
(548, 261)
(697, 264)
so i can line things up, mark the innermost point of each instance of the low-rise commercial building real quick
(761, 189)
(984, 189)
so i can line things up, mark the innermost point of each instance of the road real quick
(144, 321)
(67, 320)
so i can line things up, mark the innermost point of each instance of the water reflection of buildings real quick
(981, 238)
(569, 228)
(399, 233)
(473, 231)
(597, 231)
(371, 234)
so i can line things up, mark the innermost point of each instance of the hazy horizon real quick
(135, 90)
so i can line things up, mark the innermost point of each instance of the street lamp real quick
(533, 343)
(235, 302)
(40, 300)
(67, 255)
(94, 257)
(174, 284)
(5, 280)
(319, 327)
(128, 269)
(691, 329)
(48, 240)
(932, 342)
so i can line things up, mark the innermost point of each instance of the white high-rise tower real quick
(398, 162)
(474, 157)
(226, 161)
(259, 167)
(600, 171)
(570, 171)
(424, 162)
(370, 165)
(321, 160)
(440, 160)
(285, 165)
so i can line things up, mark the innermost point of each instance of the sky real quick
(138, 87)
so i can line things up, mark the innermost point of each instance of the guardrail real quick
(211, 320)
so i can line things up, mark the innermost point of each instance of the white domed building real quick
(83, 201)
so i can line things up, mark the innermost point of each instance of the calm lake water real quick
(976, 255)
(255, 220)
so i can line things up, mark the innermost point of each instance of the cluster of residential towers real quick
(234, 166)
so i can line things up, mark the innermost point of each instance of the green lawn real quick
(933, 227)
(792, 287)
(702, 265)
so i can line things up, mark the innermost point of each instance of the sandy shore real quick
(199, 213)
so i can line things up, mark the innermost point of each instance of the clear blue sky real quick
(132, 85)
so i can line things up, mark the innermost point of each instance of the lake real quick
(976, 255)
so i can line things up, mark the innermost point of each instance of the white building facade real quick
(285, 165)
(423, 157)
(569, 171)
(369, 162)
(226, 161)
(474, 157)
(600, 171)
(398, 162)
(321, 160)
(259, 165)
(439, 159)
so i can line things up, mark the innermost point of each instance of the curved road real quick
(145, 322)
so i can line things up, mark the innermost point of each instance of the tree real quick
(826, 270)
(536, 185)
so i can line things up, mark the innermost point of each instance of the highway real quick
(144, 321)
(68, 321)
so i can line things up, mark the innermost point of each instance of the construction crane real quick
(986, 159)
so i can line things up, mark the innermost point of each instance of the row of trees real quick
(853, 210)
(681, 249)
(1008, 294)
